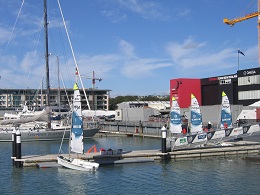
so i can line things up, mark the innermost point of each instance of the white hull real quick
(77, 164)
(44, 134)
(213, 136)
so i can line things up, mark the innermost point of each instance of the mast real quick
(47, 62)
(58, 82)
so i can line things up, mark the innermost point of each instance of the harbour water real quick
(231, 175)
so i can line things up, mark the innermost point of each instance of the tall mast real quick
(58, 82)
(47, 61)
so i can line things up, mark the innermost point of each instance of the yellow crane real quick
(246, 17)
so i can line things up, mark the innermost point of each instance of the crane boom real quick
(240, 19)
(246, 17)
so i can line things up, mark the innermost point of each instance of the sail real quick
(195, 116)
(175, 123)
(225, 111)
(40, 116)
(76, 142)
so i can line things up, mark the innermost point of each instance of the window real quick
(248, 95)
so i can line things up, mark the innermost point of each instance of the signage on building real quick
(248, 72)
(227, 79)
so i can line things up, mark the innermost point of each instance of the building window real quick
(249, 95)
(225, 81)
(249, 80)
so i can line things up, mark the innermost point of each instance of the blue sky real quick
(135, 46)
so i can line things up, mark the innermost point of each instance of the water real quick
(232, 175)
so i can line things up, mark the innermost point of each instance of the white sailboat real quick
(76, 141)
(226, 117)
(175, 117)
(195, 116)
(226, 131)
(197, 135)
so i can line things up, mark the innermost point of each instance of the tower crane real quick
(93, 88)
(246, 17)
(94, 79)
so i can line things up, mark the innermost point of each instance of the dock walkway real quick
(241, 148)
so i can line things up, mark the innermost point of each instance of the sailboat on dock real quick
(175, 117)
(76, 139)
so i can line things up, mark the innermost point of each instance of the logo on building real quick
(249, 72)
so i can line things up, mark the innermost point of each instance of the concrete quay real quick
(140, 156)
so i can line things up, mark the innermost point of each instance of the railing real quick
(132, 127)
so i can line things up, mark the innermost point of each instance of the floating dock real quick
(252, 150)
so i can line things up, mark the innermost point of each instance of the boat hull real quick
(44, 135)
(77, 164)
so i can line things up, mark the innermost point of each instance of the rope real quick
(249, 5)
(13, 27)
(75, 61)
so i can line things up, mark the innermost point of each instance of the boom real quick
(246, 17)
(240, 19)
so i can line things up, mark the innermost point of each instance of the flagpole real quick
(238, 59)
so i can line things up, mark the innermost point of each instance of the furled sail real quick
(76, 142)
(40, 116)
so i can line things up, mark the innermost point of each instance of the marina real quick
(128, 153)
(141, 156)
(118, 156)
(146, 177)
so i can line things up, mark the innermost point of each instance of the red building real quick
(182, 88)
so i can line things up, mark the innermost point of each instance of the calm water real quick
(207, 176)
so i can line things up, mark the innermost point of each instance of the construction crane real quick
(246, 17)
(93, 88)
(93, 78)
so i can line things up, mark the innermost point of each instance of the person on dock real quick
(225, 125)
(209, 126)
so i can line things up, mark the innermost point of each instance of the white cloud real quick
(126, 48)
(136, 67)
(184, 50)
(194, 58)
(142, 67)
(114, 15)
(147, 9)
(183, 12)
(4, 34)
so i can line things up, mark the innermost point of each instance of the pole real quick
(58, 82)
(238, 59)
(14, 145)
(18, 149)
(47, 62)
(163, 139)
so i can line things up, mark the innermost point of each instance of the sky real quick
(135, 46)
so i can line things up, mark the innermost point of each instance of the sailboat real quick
(76, 141)
(175, 117)
(195, 116)
(196, 134)
(49, 130)
(196, 131)
(226, 131)
(225, 120)
(226, 117)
